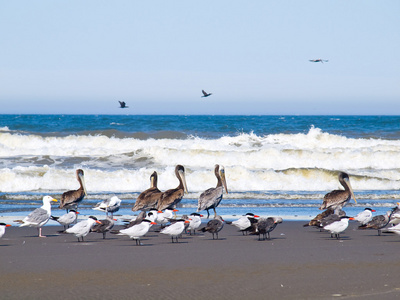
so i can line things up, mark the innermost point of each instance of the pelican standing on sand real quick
(339, 198)
(150, 197)
(72, 198)
(172, 197)
(211, 197)
(39, 216)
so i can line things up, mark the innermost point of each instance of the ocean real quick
(275, 165)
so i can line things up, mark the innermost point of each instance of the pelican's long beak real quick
(222, 174)
(351, 190)
(182, 175)
(82, 179)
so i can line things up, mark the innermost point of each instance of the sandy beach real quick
(297, 263)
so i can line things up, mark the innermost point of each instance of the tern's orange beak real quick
(8, 225)
(187, 221)
(98, 222)
(175, 210)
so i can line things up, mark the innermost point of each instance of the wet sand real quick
(297, 263)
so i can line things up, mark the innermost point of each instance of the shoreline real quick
(297, 263)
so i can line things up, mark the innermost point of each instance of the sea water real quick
(275, 165)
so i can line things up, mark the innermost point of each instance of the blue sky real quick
(83, 56)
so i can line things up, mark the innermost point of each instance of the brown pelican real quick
(211, 197)
(378, 222)
(339, 198)
(104, 226)
(39, 216)
(150, 197)
(214, 226)
(71, 199)
(205, 94)
(265, 226)
(318, 60)
(172, 197)
(122, 104)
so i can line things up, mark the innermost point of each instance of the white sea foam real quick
(287, 162)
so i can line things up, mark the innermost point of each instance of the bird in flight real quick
(205, 94)
(319, 60)
(123, 104)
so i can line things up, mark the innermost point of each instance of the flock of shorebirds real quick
(159, 208)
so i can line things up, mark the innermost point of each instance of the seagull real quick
(175, 229)
(205, 94)
(137, 231)
(214, 226)
(71, 199)
(335, 228)
(265, 226)
(337, 199)
(318, 60)
(245, 222)
(211, 197)
(82, 228)
(104, 226)
(66, 219)
(365, 216)
(109, 205)
(194, 222)
(3, 228)
(39, 216)
(122, 104)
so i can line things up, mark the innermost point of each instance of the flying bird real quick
(211, 197)
(205, 94)
(318, 60)
(39, 216)
(122, 104)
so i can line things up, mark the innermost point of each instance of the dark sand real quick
(297, 263)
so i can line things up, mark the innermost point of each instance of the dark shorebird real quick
(72, 198)
(378, 222)
(205, 94)
(214, 226)
(104, 226)
(82, 228)
(122, 104)
(265, 226)
(150, 197)
(39, 216)
(318, 60)
(337, 199)
(211, 197)
(170, 198)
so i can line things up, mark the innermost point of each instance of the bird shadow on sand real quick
(342, 238)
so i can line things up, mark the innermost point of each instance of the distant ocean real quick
(275, 165)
